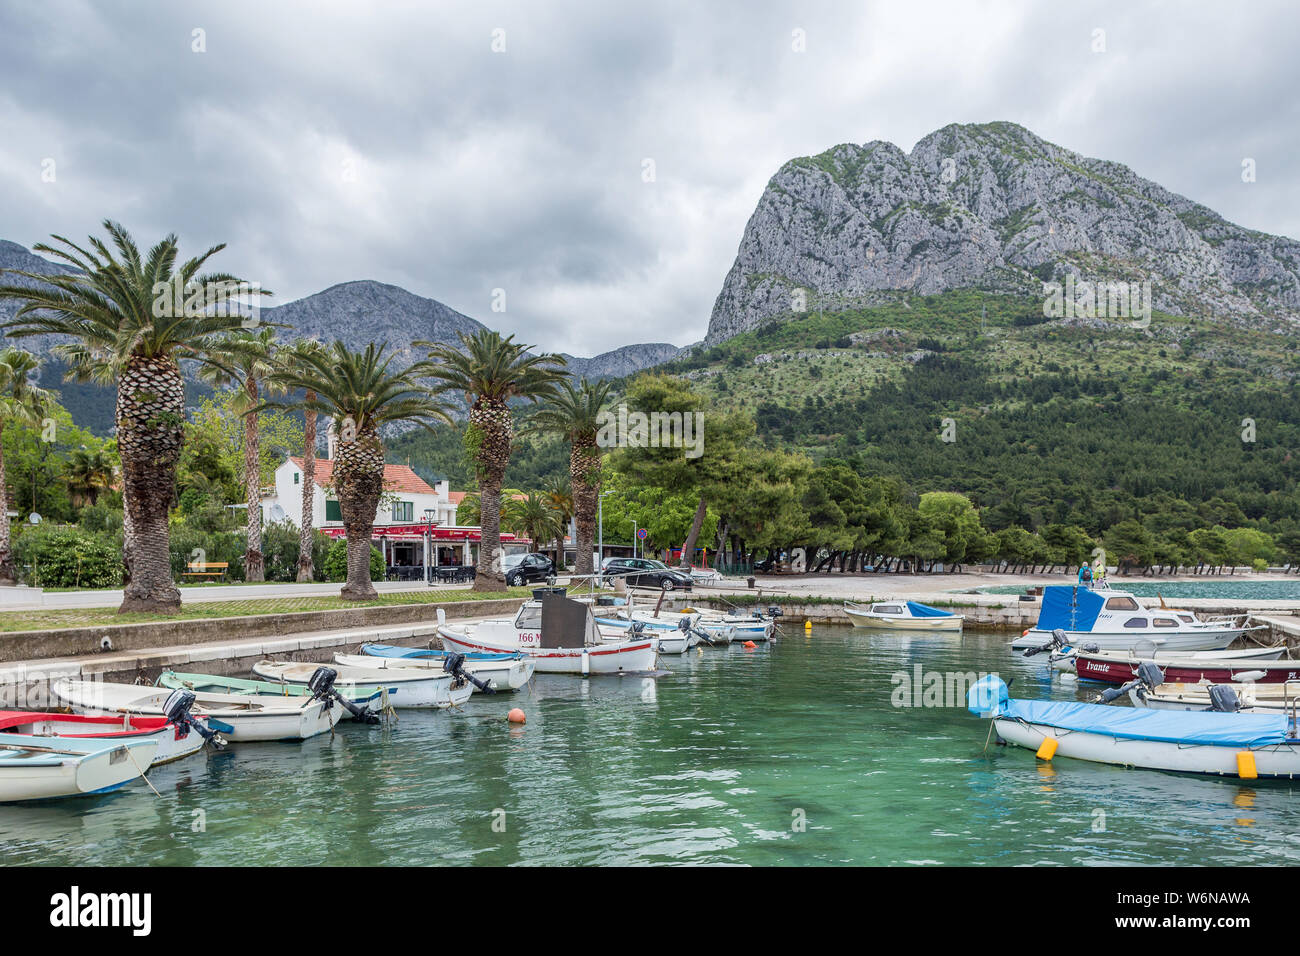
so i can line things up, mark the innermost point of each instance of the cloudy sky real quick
(459, 148)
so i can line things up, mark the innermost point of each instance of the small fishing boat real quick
(36, 768)
(1117, 668)
(410, 688)
(365, 699)
(1226, 744)
(1064, 659)
(175, 739)
(558, 634)
(240, 717)
(1151, 692)
(505, 672)
(675, 637)
(1114, 620)
(902, 616)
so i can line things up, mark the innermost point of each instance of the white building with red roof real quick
(411, 514)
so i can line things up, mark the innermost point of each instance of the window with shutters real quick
(332, 511)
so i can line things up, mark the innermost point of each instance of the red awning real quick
(417, 532)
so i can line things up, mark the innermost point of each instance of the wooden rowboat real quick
(174, 741)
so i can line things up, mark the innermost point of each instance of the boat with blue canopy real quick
(1234, 744)
(902, 616)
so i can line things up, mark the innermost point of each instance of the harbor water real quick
(808, 751)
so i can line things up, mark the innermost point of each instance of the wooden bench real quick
(207, 569)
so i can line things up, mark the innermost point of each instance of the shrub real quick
(190, 544)
(280, 551)
(60, 556)
(335, 565)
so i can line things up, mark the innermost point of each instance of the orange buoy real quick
(749, 645)
(516, 716)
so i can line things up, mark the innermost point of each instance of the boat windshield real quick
(887, 608)
(529, 618)
(1121, 604)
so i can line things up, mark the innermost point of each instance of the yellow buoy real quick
(1246, 765)
(1047, 749)
(807, 625)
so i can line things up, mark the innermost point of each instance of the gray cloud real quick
(327, 141)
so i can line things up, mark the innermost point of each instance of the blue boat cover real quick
(1069, 607)
(924, 610)
(987, 697)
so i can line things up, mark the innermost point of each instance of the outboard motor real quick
(321, 685)
(774, 611)
(637, 628)
(177, 710)
(1224, 699)
(1058, 642)
(454, 664)
(1149, 677)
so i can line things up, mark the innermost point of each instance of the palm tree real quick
(574, 412)
(361, 395)
(490, 370)
(21, 402)
(536, 518)
(559, 493)
(293, 358)
(248, 362)
(131, 321)
(90, 473)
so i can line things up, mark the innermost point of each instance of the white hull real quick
(878, 622)
(1142, 645)
(409, 688)
(500, 675)
(1066, 662)
(44, 776)
(1281, 760)
(631, 656)
(249, 718)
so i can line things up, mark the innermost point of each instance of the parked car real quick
(644, 573)
(526, 568)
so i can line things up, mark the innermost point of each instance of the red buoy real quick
(516, 716)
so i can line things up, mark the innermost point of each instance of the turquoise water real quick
(787, 754)
(1223, 588)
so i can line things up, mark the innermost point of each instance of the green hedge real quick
(62, 556)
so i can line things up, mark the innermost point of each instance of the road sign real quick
(641, 533)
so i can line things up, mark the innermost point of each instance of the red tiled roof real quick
(456, 497)
(396, 477)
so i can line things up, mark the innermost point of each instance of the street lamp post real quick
(428, 540)
(600, 535)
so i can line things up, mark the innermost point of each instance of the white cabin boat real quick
(1114, 620)
(902, 616)
(558, 634)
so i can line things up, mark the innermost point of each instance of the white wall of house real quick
(395, 507)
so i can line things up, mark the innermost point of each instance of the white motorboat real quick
(902, 616)
(1245, 745)
(239, 717)
(558, 634)
(405, 688)
(36, 768)
(1114, 620)
(509, 673)
(1065, 660)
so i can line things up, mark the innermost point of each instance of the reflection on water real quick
(790, 753)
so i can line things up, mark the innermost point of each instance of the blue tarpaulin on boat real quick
(1069, 608)
(1170, 726)
(924, 610)
(987, 697)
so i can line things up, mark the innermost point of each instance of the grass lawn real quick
(56, 618)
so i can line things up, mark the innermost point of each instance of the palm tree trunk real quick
(306, 527)
(359, 481)
(8, 573)
(584, 476)
(491, 424)
(688, 549)
(254, 566)
(150, 419)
